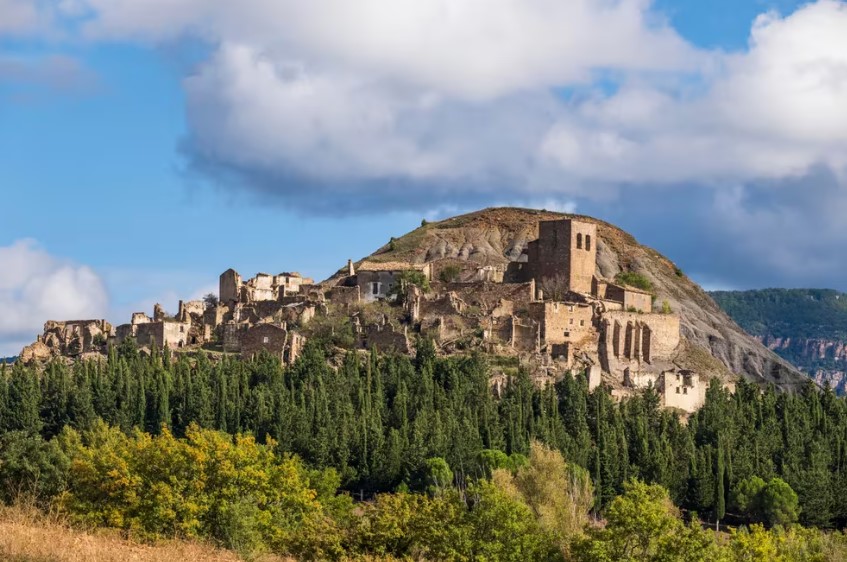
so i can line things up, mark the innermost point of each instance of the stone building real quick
(69, 338)
(550, 308)
(683, 390)
(565, 249)
(563, 325)
(271, 338)
(375, 280)
(159, 331)
(262, 287)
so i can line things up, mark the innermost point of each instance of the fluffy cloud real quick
(466, 48)
(774, 112)
(393, 103)
(36, 286)
(338, 107)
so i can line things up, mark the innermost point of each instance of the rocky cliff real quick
(825, 360)
(498, 236)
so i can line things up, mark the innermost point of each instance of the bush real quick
(772, 502)
(450, 273)
(404, 280)
(634, 279)
(643, 524)
(31, 467)
(207, 485)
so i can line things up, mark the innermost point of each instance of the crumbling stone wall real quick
(344, 295)
(385, 338)
(375, 285)
(229, 286)
(563, 322)
(488, 296)
(262, 287)
(683, 390)
(70, 338)
(169, 333)
(637, 300)
(629, 297)
(632, 337)
(232, 333)
(263, 337)
(525, 334)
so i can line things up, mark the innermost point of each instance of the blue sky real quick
(153, 149)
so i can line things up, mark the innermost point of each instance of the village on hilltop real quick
(549, 309)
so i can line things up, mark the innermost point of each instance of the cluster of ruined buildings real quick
(550, 308)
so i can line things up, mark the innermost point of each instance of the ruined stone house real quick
(376, 280)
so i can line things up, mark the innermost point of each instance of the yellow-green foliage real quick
(484, 523)
(558, 494)
(643, 525)
(796, 544)
(206, 485)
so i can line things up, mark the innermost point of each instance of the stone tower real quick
(230, 286)
(566, 248)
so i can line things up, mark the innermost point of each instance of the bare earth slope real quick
(499, 235)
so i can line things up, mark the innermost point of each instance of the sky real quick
(148, 145)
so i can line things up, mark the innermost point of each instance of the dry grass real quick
(29, 536)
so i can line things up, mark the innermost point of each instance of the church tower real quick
(566, 248)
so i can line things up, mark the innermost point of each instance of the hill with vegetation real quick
(387, 457)
(498, 236)
(807, 327)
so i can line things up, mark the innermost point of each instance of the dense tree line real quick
(380, 420)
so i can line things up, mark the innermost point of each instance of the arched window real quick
(588, 242)
(579, 241)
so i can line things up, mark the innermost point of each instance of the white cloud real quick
(472, 99)
(36, 286)
(468, 48)
(336, 106)
(537, 97)
(773, 112)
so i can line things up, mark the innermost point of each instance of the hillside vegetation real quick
(793, 313)
(416, 458)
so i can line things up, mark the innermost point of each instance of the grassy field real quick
(28, 536)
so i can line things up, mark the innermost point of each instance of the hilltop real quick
(498, 236)
(550, 292)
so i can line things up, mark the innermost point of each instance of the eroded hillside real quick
(497, 236)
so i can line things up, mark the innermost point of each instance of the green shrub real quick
(450, 273)
(634, 279)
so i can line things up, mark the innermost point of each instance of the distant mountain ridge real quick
(807, 327)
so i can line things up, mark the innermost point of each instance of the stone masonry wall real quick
(563, 322)
(629, 336)
(264, 337)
